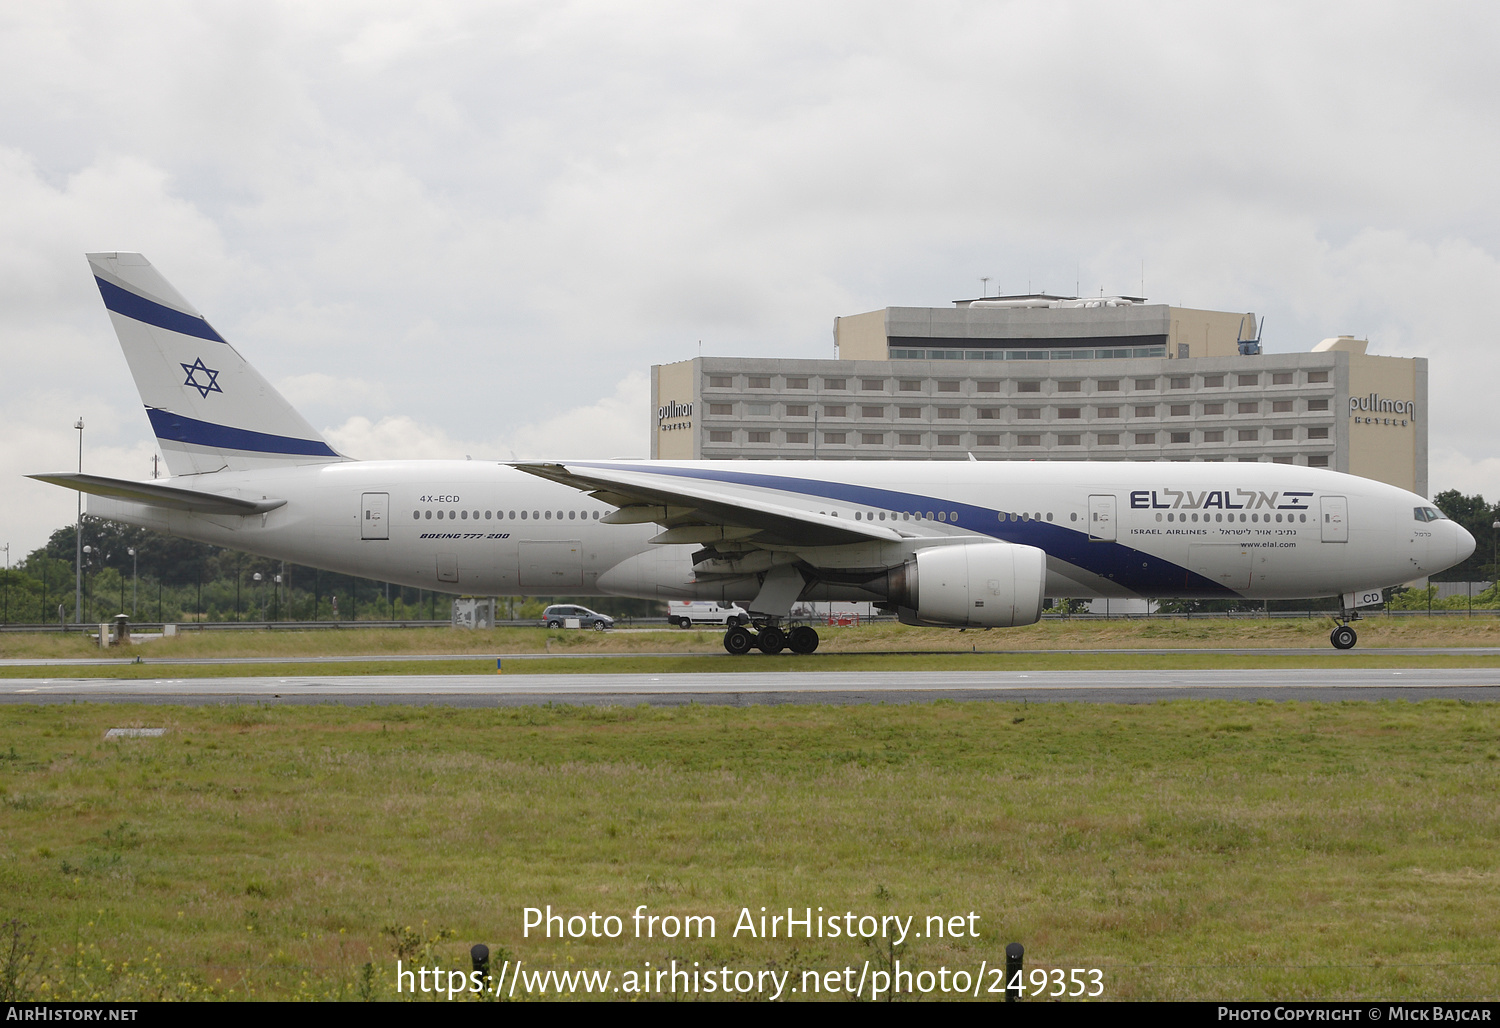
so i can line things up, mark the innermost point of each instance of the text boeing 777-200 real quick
(971, 544)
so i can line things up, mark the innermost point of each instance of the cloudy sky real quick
(455, 228)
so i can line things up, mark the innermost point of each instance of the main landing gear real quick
(769, 638)
(1343, 636)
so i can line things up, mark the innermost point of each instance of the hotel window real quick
(1249, 435)
(1213, 408)
(948, 440)
(1288, 459)
(872, 385)
(760, 381)
(1145, 412)
(1028, 387)
(1109, 385)
(1216, 436)
(947, 387)
(1109, 412)
(1213, 381)
(989, 387)
(1069, 439)
(872, 438)
(833, 437)
(1281, 378)
(1248, 380)
(721, 437)
(833, 411)
(1317, 376)
(758, 410)
(1181, 410)
(720, 381)
(989, 413)
(989, 440)
(796, 410)
(1145, 384)
(1070, 412)
(1318, 460)
(911, 439)
(948, 413)
(1249, 408)
(796, 437)
(1182, 383)
(1281, 433)
(1318, 433)
(1145, 438)
(721, 408)
(760, 437)
(1182, 437)
(1281, 406)
(1109, 438)
(1029, 413)
(796, 383)
(872, 412)
(909, 412)
(1317, 404)
(834, 383)
(1070, 387)
(1028, 440)
(911, 385)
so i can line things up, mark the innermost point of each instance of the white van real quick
(687, 613)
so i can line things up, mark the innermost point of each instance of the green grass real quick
(1189, 849)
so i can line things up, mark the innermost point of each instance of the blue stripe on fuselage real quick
(1131, 568)
(138, 308)
(221, 437)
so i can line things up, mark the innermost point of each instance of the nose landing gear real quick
(770, 639)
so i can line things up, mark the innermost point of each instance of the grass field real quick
(1048, 636)
(1188, 849)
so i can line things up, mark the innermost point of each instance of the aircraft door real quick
(1102, 519)
(1335, 516)
(447, 567)
(374, 509)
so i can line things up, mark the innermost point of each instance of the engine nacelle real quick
(971, 585)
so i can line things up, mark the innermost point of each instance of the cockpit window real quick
(1428, 514)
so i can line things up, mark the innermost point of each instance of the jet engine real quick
(971, 585)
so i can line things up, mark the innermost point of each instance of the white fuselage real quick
(1109, 529)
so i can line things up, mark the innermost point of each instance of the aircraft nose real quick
(1463, 543)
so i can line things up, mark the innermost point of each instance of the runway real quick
(779, 687)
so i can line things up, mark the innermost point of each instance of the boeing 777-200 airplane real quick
(973, 544)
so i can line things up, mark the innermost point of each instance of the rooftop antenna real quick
(1143, 277)
(984, 286)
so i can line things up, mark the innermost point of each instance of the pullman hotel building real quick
(1053, 378)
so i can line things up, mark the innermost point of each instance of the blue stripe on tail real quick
(138, 308)
(221, 437)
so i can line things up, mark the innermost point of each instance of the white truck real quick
(687, 613)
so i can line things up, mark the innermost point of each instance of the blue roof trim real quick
(138, 308)
(221, 437)
(1136, 570)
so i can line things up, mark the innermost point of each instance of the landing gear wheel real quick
(1343, 638)
(738, 641)
(802, 639)
(770, 639)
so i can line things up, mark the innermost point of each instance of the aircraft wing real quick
(158, 495)
(695, 508)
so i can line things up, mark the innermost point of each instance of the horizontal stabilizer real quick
(158, 495)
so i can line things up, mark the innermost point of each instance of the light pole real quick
(78, 539)
(277, 615)
(1495, 556)
(134, 566)
(256, 578)
(7, 583)
(88, 551)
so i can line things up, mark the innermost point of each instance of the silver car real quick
(558, 614)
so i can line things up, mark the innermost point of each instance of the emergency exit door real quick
(373, 509)
(1102, 519)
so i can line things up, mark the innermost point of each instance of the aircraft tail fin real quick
(210, 410)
